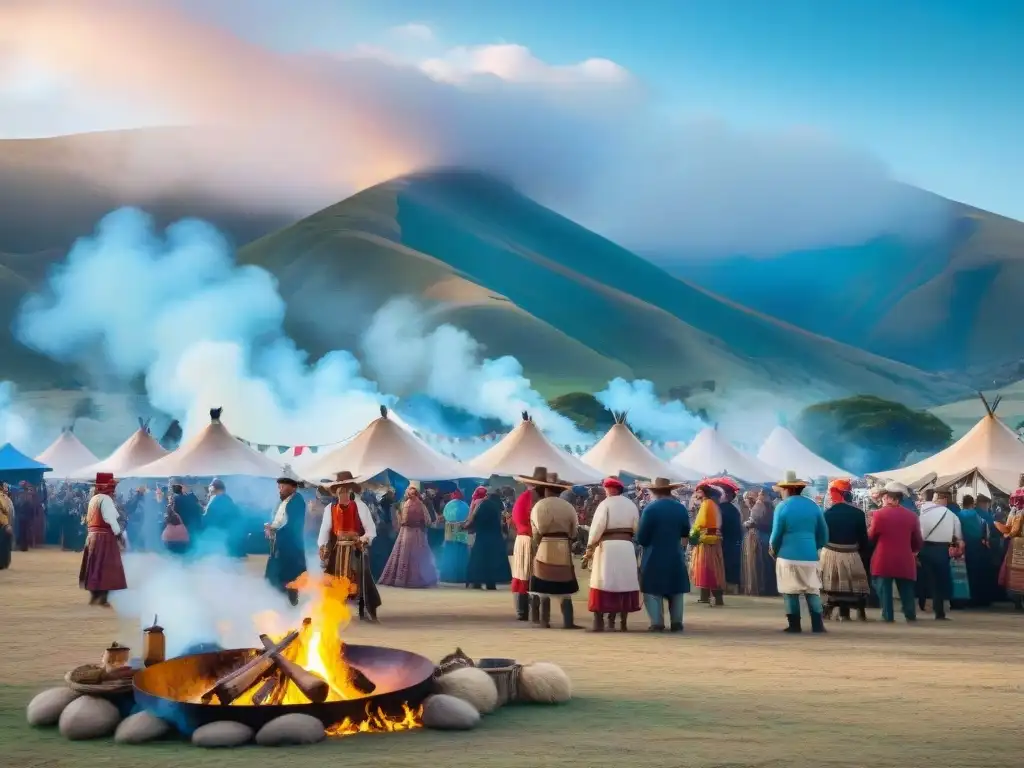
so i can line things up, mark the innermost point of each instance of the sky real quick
(931, 87)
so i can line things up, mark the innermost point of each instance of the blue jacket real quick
(664, 526)
(799, 529)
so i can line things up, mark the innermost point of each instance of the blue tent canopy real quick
(13, 460)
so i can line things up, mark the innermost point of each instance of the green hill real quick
(574, 307)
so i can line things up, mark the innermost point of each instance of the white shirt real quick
(364, 517)
(108, 511)
(931, 514)
(281, 514)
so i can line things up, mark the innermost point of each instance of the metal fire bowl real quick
(170, 690)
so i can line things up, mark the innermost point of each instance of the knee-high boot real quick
(705, 596)
(718, 597)
(545, 612)
(567, 615)
(534, 608)
(522, 602)
(622, 622)
(598, 623)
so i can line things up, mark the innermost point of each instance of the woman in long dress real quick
(411, 564)
(488, 563)
(707, 562)
(758, 566)
(455, 553)
(1011, 574)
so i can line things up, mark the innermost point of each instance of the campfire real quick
(351, 689)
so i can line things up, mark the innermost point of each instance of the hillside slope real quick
(941, 305)
(573, 307)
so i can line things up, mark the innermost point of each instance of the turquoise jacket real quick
(799, 529)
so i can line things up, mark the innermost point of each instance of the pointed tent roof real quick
(214, 452)
(782, 449)
(712, 454)
(620, 451)
(525, 448)
(137, 451)
(13, 460)
(990, 449)
(66, 454)
(384, 445)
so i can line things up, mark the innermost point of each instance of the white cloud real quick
(413, 32)
(301, 132)
(516, 64)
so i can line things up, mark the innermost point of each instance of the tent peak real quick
(526, 416)
(144, 424)
(215, 415)
(383, 411)
(619, 416)
(990, 407)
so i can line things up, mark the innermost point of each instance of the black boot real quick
(102, 599)
(705, 596)
(545, 612)
(844, 613)
(362, 609)
(828, 612)
(676, 628)
(534, 608)
(522, 602)
(598, 623)
(622, 622)
(567, 615)
(94, 598)
(718, 597)
(794, 623)
(611, 622)
(817, 623)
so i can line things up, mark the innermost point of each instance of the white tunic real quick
(613, 568)
(364, 517)
(107, 511)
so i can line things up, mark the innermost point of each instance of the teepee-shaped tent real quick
(525, 448)
(990, 451)
(619, 451)
(384, 445)
(214, 452)
(66, 455)
(782, 449)
(137, 451)
(712, 454)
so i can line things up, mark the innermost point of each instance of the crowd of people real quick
(647, 545)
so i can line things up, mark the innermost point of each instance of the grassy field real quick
(731, 692)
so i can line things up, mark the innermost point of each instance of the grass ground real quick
(731, 692)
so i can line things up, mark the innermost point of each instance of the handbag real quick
(175, 533)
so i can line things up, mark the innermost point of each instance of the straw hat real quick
(893, 487)
(541, 476)
(662, 484)
(790, 481)
(342, 479)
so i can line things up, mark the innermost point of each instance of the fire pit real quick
(401, 680)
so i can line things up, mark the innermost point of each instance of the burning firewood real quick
(235, 683)
(361, 682)
(314, 688)
(271, 690)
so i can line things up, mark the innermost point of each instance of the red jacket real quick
(896, 533)
(521, 513)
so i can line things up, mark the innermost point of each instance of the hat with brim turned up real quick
(344, 479)
(542, 478)
(662, 484)
(791, 482)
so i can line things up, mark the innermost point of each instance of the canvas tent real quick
(137, 451)
(990, 452)
(783, 450)
(384, 445)
(66, 455)
(213, 452)
(713, 455)
(525, 448)
(15, 466)
(621, 452)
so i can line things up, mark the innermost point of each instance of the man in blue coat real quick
(664, 527)
(287, 554)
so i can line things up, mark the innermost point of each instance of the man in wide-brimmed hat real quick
(287, 554)
(614, 585)
(845, 557)
(896, 534)
(554, 522)
(346, 533)
(798, 534)
(527, 606)
(102, 571)
(663, 527)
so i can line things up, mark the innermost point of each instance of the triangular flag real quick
(299, 449)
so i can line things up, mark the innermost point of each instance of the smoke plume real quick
(297, 132)
(14, 421)
(645, 412)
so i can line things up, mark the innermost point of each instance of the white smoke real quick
(14, 419)
(646, 412)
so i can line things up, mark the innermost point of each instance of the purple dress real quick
(411, 564)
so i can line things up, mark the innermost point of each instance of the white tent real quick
(713, 455)
(214, 452)
(782, 449)
(990, 451)
(525, 448)
(385, 445)
(66, 455)
(137, 451)
(619, 451)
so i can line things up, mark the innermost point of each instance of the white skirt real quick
(798, 577)
(522, 558)
(614, 567)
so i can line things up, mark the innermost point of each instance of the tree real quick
(866, 433)
(584, 410)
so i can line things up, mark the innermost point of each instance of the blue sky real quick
(933, 87)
